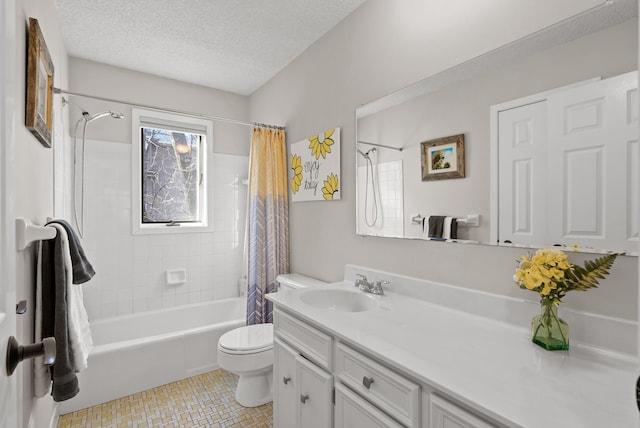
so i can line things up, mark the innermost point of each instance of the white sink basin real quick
(338, 300)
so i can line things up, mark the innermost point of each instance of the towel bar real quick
(469, 220)
(26, 233)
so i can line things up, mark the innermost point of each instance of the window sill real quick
(157, 229)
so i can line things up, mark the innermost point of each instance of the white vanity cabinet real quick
(320, 381)
(367, 394)
(303, 384)
(389, 391)
(430, 355)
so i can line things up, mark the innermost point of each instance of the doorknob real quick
(17, 353)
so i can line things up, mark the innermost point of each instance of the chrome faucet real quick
(370, 287)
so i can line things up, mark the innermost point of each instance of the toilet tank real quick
(292, 281)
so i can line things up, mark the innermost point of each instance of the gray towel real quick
(54, 318)
(454, 229)
(82, 269)
(436, 225)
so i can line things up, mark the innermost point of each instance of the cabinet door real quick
(314, 389)
(445, 414)
(353, 411)
(284, 391)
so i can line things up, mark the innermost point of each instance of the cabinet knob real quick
(367, 381)
(286, 380)
(304, 398)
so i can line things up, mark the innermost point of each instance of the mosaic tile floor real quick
(200, 401)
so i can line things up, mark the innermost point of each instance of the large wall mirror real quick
(409, 145)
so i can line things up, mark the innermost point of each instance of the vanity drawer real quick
(397, 396)
(309, 341)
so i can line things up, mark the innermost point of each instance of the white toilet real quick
(248, 352)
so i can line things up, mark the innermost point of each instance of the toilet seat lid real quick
(249, 338)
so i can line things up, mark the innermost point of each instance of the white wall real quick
(34, 179)
(384, 46)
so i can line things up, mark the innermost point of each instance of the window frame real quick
(143, 118)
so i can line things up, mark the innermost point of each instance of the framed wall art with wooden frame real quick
(443, 158)
(39, 103)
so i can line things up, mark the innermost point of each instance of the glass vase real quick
(548, 330)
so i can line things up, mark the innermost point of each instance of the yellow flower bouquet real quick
(549, 273)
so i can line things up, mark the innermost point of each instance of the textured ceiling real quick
(233, 45)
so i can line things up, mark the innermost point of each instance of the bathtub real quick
(132, 353)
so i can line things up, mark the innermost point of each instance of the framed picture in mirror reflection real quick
(443, 158)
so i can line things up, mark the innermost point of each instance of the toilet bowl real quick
(248, 352)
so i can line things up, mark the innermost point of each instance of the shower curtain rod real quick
(183, 113)
(381, 145)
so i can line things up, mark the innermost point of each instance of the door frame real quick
(8, 108)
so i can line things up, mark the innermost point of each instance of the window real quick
(169, 172)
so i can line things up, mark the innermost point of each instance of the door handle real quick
(286, 380)
(17, 353)
(304, 398)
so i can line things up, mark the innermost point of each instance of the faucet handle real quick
(383, 283)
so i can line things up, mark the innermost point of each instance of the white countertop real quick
(489, 365)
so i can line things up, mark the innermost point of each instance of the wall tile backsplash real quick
(131, 269)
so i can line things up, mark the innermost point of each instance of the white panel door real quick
(522, 141)
(593, 162)
(8, 403)
(314, 392)
(284, 381)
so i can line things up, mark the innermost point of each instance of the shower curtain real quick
(268, 220)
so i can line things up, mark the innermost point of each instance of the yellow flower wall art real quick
(321, 144)
(330, 187)
(297, 173)
(315, 167)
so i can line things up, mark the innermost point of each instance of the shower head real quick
(366, 154)
(89, 118)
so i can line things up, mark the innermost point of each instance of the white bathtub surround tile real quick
(108, 310)
(207, 295)
(123, 260)
(208, 245)
(182, 245)
(168, 300)
(225, 293)
(182, 299)
(154, 302)
(140, 292)
(140, 277)
(125, 307)
(107, 295)
(140, 305)
(194, 297)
